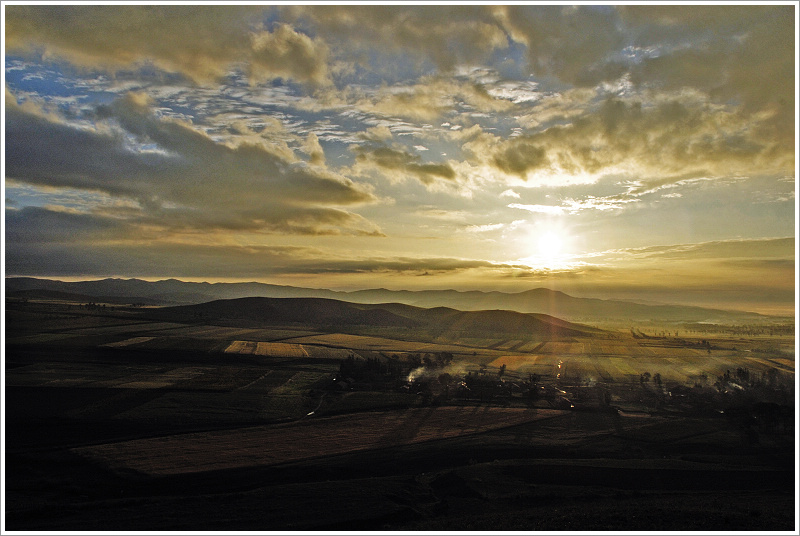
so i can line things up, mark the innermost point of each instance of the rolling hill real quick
(323, 313)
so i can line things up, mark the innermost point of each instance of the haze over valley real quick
(171, 292)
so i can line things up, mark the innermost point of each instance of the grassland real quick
(119, 422)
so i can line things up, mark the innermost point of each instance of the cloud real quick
(203, 44)
(540, 209)
(444, 35)
(735, 54)
(558, 108)
(191, 181)
(38, 225)
(288, 54)
(379, 133)
(314, 149)
(510, 193)
(733, 49)
(399, 265)
(735, 249)
(45, 242)
(670, 139)
(437, 213)
(399, 163)
(572, 43)
(612, 202)
(484, 228)
(428, 99)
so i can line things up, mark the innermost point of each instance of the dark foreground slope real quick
(113, 422)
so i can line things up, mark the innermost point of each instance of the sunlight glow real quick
(551, 248)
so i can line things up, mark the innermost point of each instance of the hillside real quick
(322, 313)
(313, 312)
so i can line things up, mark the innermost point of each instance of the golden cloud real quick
(203, 44)
(446, 35)
(670, 139)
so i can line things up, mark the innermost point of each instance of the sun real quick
(551, 245)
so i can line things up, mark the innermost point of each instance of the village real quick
(755, 402)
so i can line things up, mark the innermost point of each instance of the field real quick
(267, 445)
(116, 422)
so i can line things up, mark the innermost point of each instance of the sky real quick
(637, 152)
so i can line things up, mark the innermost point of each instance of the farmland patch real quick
(241, 347)
(41, 338)
(789, 363)
(602, 371)
(265, 445)
(78, 373)
(623, 367)
(146, 384)
(267, 349)
(769, 364)
(515, 362)
(128, 342)
(530, 346)
(212, 332)
(299, 383)
(324, 352)
(359, 342)
(180, 344)
(556, 347)
(280, 349)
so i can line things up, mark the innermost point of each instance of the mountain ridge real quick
(539, 300)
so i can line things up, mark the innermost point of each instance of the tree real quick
(444, 379)
(444, 358)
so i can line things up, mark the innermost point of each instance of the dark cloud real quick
(38, 225)
(572, 43)
(184, 179)
(42, 151)
(401, 163)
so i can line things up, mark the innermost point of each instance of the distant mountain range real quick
(541, 300)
